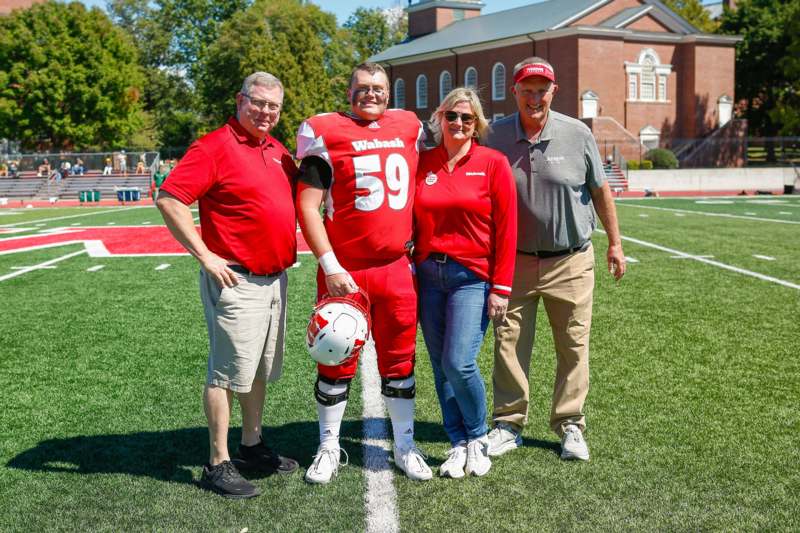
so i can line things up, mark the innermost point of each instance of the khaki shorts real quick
(246, 329)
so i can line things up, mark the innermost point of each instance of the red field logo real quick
(104, 241)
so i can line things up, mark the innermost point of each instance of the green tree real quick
(694, 13)
(297, 42)
(374, 30)
(68, 78)
(787, 109)
(766, 29)
(171, 36)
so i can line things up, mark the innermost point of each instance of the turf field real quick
(693, 419)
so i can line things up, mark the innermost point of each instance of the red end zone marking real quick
(106, 241)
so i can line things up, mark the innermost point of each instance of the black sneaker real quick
(263, 459)
(226, 481)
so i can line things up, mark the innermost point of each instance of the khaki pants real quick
(565, 284)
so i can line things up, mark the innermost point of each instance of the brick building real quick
(636, 72)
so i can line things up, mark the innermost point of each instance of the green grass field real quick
(693, 419)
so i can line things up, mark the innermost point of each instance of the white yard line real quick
(163, 266)
(764, 257)
(380, 499)
(95, 268)
(704, 213)
(40, 265)
(710, 262)
(117, 210)
(629, 259)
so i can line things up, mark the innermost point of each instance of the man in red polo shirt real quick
(242, 179)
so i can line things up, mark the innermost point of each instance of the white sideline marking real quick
(75, 216)
(631, 259)
(750, 213)
(95, 268)
(685, 257)
(40, 265)
(35, 267)
(147, 222)
(680, 214)
(785, 213)
(714, 202)
(710, 262)
(764, 257)
(111, 224)
(644, 215)
(75, 224)
(163, 266)
(40, 225)
(380, 499)
(704, 213)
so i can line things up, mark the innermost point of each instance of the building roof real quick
(6, 6)
(534, 18)
(714, 10)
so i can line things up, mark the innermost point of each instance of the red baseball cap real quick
(535, 69)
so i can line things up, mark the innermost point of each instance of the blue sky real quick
(343, 8)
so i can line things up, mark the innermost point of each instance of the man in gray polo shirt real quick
(559, 175)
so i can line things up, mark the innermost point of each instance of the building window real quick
(649, 137)
(724, 109)
(647, 78)
(497, 116)
(633, 86)
(400, 93)
(498, 82)
(445, 84)
(422, 91)
(471, 78)
(458, 14)
(590, 104)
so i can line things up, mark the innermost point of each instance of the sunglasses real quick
(466, 118)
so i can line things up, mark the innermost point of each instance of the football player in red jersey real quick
(362, 163)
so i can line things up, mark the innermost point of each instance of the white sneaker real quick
(326, 463)
(412, 461)
(453, 467)
(573, 445)
(503, 438)
(478, 462)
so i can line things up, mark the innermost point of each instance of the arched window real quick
(422, 91)
(471, 78)
(400, 93)
(647, 77)
(498, 82)
(445, 84)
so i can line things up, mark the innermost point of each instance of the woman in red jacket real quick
(465, 215)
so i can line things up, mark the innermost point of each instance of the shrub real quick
(633, 165)
(647, 165)
(662, 158)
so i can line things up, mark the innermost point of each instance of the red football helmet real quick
(339, 328)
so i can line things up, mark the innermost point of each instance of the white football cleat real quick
(412, 461)
(326, 463)
(573, 445)
(478, 462)
(453, 467)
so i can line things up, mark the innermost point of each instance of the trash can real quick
(95, 195)
(128, 195)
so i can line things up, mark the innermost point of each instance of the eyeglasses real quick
(263, 105)
(365, 90)
(466, 118)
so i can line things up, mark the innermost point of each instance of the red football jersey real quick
(368, 207)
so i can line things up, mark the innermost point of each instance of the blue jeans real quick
(453, 316)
